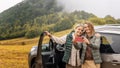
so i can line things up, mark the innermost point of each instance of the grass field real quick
(14, 52)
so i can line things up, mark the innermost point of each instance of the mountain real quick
(13, 20)
(31, 17)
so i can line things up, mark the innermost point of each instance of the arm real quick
(95, 43)
(59, 40)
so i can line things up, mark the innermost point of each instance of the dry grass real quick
(14, 56)
(14, 52)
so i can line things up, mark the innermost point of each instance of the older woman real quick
(90, 52)
(72, 49)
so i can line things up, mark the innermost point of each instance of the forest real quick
(31, 17)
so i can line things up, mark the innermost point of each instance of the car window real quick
(110, 43)
(45, 44)
(46, 40)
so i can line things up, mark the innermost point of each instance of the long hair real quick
(90, 26)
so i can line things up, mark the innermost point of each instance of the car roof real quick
(109, 28)
(112, 24)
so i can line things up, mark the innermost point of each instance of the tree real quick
(118, 21)
(110, 20)
(64, 24)
(97, 21)
(27, 13)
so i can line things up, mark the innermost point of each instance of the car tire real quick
(33, 65)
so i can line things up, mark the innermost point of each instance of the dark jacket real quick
(68, 48)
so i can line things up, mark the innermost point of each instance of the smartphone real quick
(79, 39)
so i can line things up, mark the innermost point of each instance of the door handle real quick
(116, 62)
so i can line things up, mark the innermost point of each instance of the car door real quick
(48, 55)
(110, 50)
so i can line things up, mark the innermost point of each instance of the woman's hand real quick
(86, 40)
(48, 34)
(74, 42)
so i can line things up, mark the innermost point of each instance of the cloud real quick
(100, 8)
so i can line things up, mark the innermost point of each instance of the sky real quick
(100, 8)
(5, 4)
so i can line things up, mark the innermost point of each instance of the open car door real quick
(45, 58)
(38, 60)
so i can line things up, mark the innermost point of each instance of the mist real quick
(100, 8)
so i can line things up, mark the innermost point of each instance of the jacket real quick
(95, 46)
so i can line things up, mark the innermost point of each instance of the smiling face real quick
(78, 30)
(89, 28)
(86, 28)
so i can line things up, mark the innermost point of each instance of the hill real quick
(26, 41)
(16, 21)
(31, 17)
(15, 55)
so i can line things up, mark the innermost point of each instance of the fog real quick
(100, 8)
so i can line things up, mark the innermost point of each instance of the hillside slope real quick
(17, 20)
(25, 41)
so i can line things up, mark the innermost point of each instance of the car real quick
(44, 55)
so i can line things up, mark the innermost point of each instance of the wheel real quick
(33, 65)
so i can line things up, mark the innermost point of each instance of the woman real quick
(72, 49)
(90, 57)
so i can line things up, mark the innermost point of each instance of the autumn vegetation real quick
(22, 24)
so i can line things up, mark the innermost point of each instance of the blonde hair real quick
(78, 25)
(90, 26)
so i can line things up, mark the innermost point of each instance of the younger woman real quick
(72, 49)
(90, 52)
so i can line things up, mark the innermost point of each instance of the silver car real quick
(50, 55)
